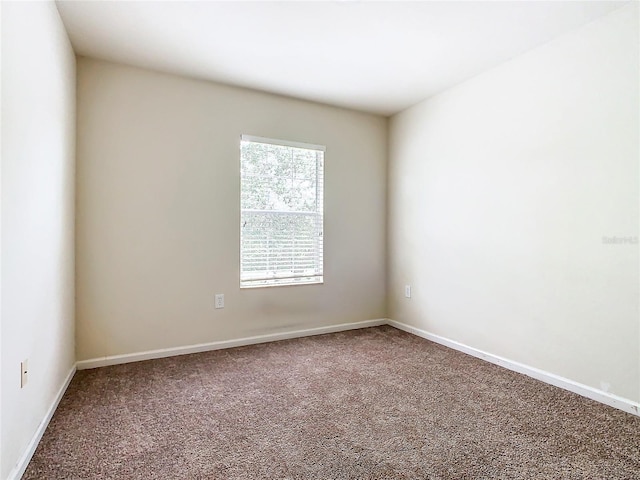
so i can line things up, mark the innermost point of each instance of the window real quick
(281, 224)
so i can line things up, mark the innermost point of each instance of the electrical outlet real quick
(219, 300)
(24, 373)
(407, 291)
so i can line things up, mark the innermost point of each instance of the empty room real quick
(320, 240)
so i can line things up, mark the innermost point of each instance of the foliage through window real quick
(281, 225)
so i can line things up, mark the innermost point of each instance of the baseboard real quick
(601, 396)
(21, 466)
(606, 398)
(205, 347)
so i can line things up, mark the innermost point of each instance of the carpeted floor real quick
(376, 403)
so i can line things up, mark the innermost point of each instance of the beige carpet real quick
(366, 404)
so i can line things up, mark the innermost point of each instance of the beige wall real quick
(158, 212)
(38, 128)
(501, 190)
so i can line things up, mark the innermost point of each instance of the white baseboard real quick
(21, 466)
(205, 347)
(601, 396)
(606, 398)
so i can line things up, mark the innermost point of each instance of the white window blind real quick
(281, 224)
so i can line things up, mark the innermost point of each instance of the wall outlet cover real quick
(219, 300)
(24, 373)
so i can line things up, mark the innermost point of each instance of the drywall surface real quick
(513, 209)
(38, 142)
(158, 212)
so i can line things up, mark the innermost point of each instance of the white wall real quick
(158, 212)
(38, 128)
(500, 192)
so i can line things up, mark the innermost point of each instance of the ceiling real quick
(379, 57)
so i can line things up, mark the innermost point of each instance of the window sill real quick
(283, 283)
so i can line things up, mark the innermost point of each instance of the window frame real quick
(317, 278)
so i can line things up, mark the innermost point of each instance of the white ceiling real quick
(378, 57)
